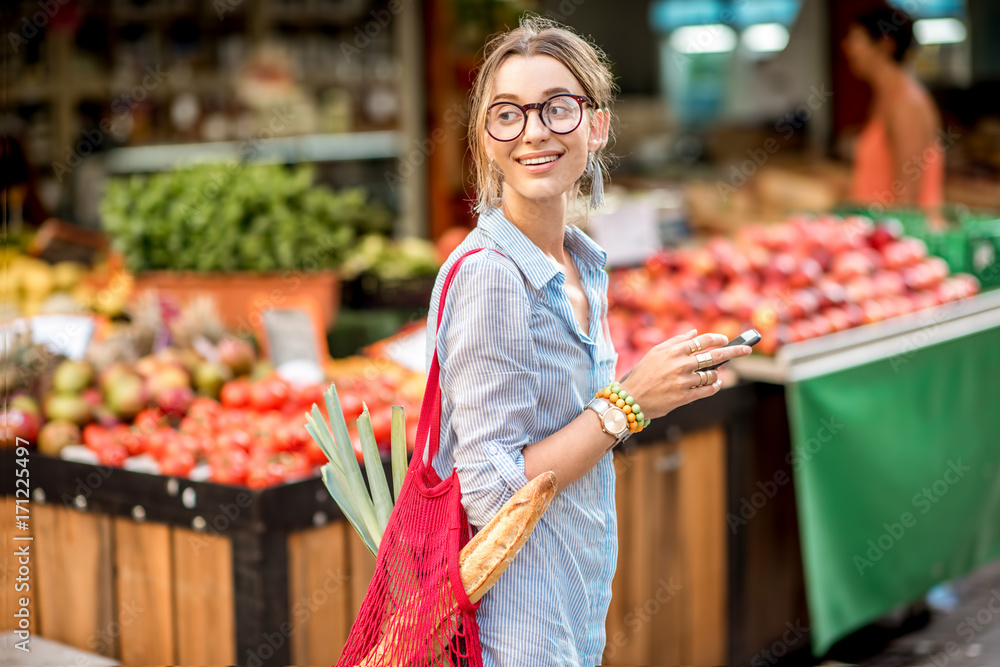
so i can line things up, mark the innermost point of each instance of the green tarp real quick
(897, 478)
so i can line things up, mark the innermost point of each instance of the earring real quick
(597, 181)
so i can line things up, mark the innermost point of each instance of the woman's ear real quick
(599, 130)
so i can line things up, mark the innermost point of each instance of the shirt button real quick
(492, 449)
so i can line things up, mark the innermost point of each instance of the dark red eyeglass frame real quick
(525, 108)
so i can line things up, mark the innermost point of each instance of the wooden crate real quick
(152, 570)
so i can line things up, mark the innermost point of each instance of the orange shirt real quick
(874, 172)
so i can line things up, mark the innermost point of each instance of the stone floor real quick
(44, 652)
(966, 636)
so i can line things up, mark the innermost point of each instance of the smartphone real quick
(749, 337)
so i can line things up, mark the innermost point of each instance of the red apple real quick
(852, 264)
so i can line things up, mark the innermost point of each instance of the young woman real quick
(899, 159)
(524, 347)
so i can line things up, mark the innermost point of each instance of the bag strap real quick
(429, 427)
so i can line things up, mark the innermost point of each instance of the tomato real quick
(177, 461)
(290, 436)
(150, 419)
(309, 394)
(204, 409)
(351, 405)
(228, 466)
(112, 454)
(159, 441)
(230, 440)
(411, 433)
(382, 426)
(270, 394)
(235, 394)
(314, 453)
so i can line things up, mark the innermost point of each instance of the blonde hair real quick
(534, 36)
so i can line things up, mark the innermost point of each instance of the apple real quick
(850, 265)
(15, 424)
(807, 273)
(897, 255)
(872, 311)
(838, 318)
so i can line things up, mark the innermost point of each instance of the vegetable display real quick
(231, 217)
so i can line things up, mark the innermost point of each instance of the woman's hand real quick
(665, 378)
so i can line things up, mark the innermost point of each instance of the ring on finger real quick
(697, 345)
(702, 377)
(704, 359)
(691, 346)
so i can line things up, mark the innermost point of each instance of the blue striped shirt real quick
(515, 368)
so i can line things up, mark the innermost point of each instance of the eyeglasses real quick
(561, 114)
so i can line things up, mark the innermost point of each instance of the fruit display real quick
(34, 287)
(226, 416)
(793, 281)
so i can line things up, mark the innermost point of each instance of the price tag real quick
(63, 334)
(409, 350)
(628, 234)
(291, 336)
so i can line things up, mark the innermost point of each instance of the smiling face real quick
(540, 165)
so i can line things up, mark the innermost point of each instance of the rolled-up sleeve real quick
(490, 381)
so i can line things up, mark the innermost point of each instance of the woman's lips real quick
(540, 168)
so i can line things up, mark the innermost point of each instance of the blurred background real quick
(215, 208)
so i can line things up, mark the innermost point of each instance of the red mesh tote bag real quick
(416, 611)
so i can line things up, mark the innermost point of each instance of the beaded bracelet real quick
(614, 393)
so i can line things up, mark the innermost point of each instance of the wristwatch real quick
(613, 419)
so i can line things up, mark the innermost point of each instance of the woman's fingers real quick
(717, 356)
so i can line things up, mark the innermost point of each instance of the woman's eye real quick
(508, 116)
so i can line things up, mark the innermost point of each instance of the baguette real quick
(482, 560)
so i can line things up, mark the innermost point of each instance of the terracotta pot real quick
(242, 295)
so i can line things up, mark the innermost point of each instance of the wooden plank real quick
(203, 598)
(667, 577)
(143, 562)
(319, 593)
(618, 649)
(702, 505)
(10, 566)
(361, 572)
(643, 624)
(73, 578)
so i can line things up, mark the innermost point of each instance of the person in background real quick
(898, 159)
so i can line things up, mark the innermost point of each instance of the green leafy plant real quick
(367, 509)
(233, 217)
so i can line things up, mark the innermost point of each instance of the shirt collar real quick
(528, 257)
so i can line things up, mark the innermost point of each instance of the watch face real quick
(615, 421)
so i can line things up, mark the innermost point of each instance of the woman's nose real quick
(535, 129)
